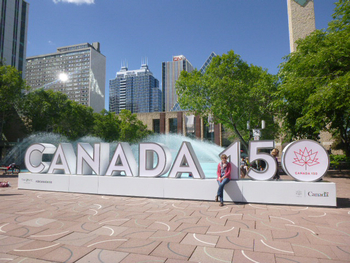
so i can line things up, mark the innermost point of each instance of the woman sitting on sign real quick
(223, 177)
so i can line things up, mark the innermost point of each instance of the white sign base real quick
(243, 191)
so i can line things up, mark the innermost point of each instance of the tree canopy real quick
(314, 94)
(131, 129)
(106, 126)
(49, 111)
(12, 87)
(233, 92)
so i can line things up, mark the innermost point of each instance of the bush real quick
(339, 161)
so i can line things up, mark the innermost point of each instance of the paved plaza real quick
(38, 226)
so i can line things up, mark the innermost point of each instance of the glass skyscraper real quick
(79, 71)
(134, 90)
(13, 33)
(207, 62)
(170, 73)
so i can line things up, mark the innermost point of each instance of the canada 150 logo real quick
(305, 159)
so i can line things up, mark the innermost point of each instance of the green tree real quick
(106, 126)
(131, 129)
(233, 92)
(76, 121)
(42, 109)
(315, 82)
(49, 111)
(12, 87)
(124, 127)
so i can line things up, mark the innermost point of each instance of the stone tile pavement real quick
(37, 226)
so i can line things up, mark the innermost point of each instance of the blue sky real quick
(132, 30)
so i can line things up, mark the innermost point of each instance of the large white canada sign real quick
(91, 170)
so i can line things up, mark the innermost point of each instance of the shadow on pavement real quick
(9, 194)
(343, 202)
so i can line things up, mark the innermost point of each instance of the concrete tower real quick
(301, 20)
(170, 73)
(79, 71)
(13, 33)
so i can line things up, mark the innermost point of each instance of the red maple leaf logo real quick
(306, 158)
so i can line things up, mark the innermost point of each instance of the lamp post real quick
(256, 132)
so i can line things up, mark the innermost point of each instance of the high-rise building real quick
(170, 74)
(207, 62)
(79, 71)
(13, 33)
(301, 20)
(134, 90)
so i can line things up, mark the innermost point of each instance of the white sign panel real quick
(245, 191)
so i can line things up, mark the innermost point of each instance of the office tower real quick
(207, 62)
(79, 71)
(170, 74)
(301, 20)
(134, 90)
(13, 33)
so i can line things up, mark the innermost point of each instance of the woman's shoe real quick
(221, 204)
(217, 198)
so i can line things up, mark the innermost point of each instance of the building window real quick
(209, 132)
(190, 126)
(156, 125)
(173, 125)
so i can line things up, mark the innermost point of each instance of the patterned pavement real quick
(37, 226)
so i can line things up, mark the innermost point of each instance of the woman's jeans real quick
(221, 189)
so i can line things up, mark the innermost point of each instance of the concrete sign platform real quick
(244, 191)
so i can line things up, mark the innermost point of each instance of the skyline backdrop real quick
(133, 31)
